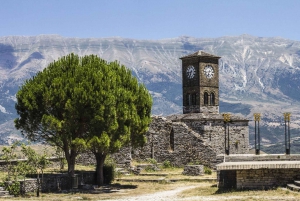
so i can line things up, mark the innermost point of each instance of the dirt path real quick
(172, 195)
(169, 195)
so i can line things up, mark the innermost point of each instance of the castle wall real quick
(213, 133)
(185, 147)
(182, 141)
(189, 141)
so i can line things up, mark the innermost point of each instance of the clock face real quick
(209, 71)
(190, 72)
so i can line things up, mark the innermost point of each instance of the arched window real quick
(212, 99)
(187, 99)
(194, 99)
(205, 98)
(190, 99)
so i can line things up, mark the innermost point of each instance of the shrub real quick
(150, 169)
(13, 188)
(167, 164)
(207, 170)
(109, 170)
(152, 161)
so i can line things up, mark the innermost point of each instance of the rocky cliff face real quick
(257, 74)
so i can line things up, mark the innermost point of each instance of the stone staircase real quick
(295, 186)
(4, 193)
(122, 171)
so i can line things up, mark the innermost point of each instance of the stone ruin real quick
(188, 138)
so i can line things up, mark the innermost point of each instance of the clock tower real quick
(200, 83)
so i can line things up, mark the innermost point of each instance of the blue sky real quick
(152, 19)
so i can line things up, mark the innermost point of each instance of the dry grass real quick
(167, 173)
(118, 191)
(207, 190)
(123, 189)
(204, 191)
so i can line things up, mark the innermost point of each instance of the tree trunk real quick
(100, 158)
(71, 157)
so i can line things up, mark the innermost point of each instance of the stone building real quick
(200, 133)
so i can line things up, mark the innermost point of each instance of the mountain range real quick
(257, 74)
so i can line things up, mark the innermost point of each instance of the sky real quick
(151, 19)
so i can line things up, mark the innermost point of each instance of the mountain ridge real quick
(256, 73)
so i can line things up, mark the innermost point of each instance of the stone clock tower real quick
(200, 82)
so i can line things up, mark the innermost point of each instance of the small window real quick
(212, 99)
(205, 98)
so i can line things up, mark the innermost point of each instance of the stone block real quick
(193, 170)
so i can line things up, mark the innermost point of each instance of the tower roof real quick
(200, 54)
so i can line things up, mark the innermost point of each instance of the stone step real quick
(297, 183)
(124, 172)
(4, 193)
(2, 188)
(293, 187)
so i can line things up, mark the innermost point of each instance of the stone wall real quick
(29, 185)
(265, 178)
(57, 182)
(186, 146)
(193, 170)
(183, 139)
(212, 131)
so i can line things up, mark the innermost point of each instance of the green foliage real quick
(13, 188)
(16, 170)
(81, 103)
(152, 161)
(167, 164)
(8, 155)
(109, 170)
(207, 170)
(59, 153)
(35, 162)
(150, 168)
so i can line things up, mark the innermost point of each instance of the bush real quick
(108, 173)
(13, 188)
(150, 169)
(167, 164)
(109, 170)
(207, 170)
(152, 161)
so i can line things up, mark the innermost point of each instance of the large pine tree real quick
(84, 102)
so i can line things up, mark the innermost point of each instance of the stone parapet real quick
(258, 165)
(261, 157)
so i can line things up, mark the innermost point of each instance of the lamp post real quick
(257, 133)
(287, 118)
(226, 121)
